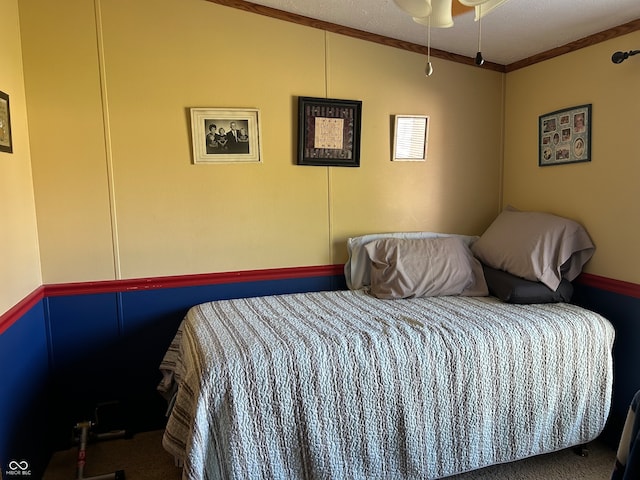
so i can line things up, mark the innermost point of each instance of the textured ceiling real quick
(516, 30)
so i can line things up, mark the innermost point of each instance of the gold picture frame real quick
(225, 135)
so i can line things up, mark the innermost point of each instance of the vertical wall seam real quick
(329, 169)
(48, 332)
(330, 213)
(107, 141)
(120, 313)
(326, 65)
(502, 138)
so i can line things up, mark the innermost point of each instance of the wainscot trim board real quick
(20, 309)
(610, 285)
(154, 283)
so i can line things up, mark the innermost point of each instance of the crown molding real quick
(353, 32)
(416, 48)
(577, 45)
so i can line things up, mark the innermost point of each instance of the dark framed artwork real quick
(6, 144)
(564, 136)
(329, 132)
(226, 135)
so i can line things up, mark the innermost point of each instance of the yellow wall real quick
(19, 260)
(109, 85)
(62, 81)
(604, 193)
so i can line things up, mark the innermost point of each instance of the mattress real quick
(335, 385)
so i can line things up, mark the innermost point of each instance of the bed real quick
(379, 382)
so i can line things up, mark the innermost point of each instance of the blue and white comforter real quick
(341, 385)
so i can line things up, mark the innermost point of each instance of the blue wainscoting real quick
(83, 341)
(79, 345)
(24, 377)
(623, 311)
(107, 347)
(71, 349)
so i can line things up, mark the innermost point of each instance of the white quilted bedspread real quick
(341, 385)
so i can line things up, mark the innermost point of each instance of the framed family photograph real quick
(329, 132)
(410, 138)
(6, 144)
(564, 136)
(225, 135)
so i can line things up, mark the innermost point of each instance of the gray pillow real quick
(358, 267)
(512, 289)
(406, 268)
(536, 246)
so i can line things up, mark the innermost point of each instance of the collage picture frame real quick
(564, 136)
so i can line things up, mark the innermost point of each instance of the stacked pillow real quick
(536, 256)
(512, 289)
(523, 257)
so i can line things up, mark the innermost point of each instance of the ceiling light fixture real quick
(437, 13)
(620, 57)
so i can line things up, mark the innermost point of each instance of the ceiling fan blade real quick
(415, 8)
(440, 15)
(458, 9)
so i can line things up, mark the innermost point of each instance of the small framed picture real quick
(564, 136)
(6, 144)
(410, 138)
(329, 132)
(225, 135)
